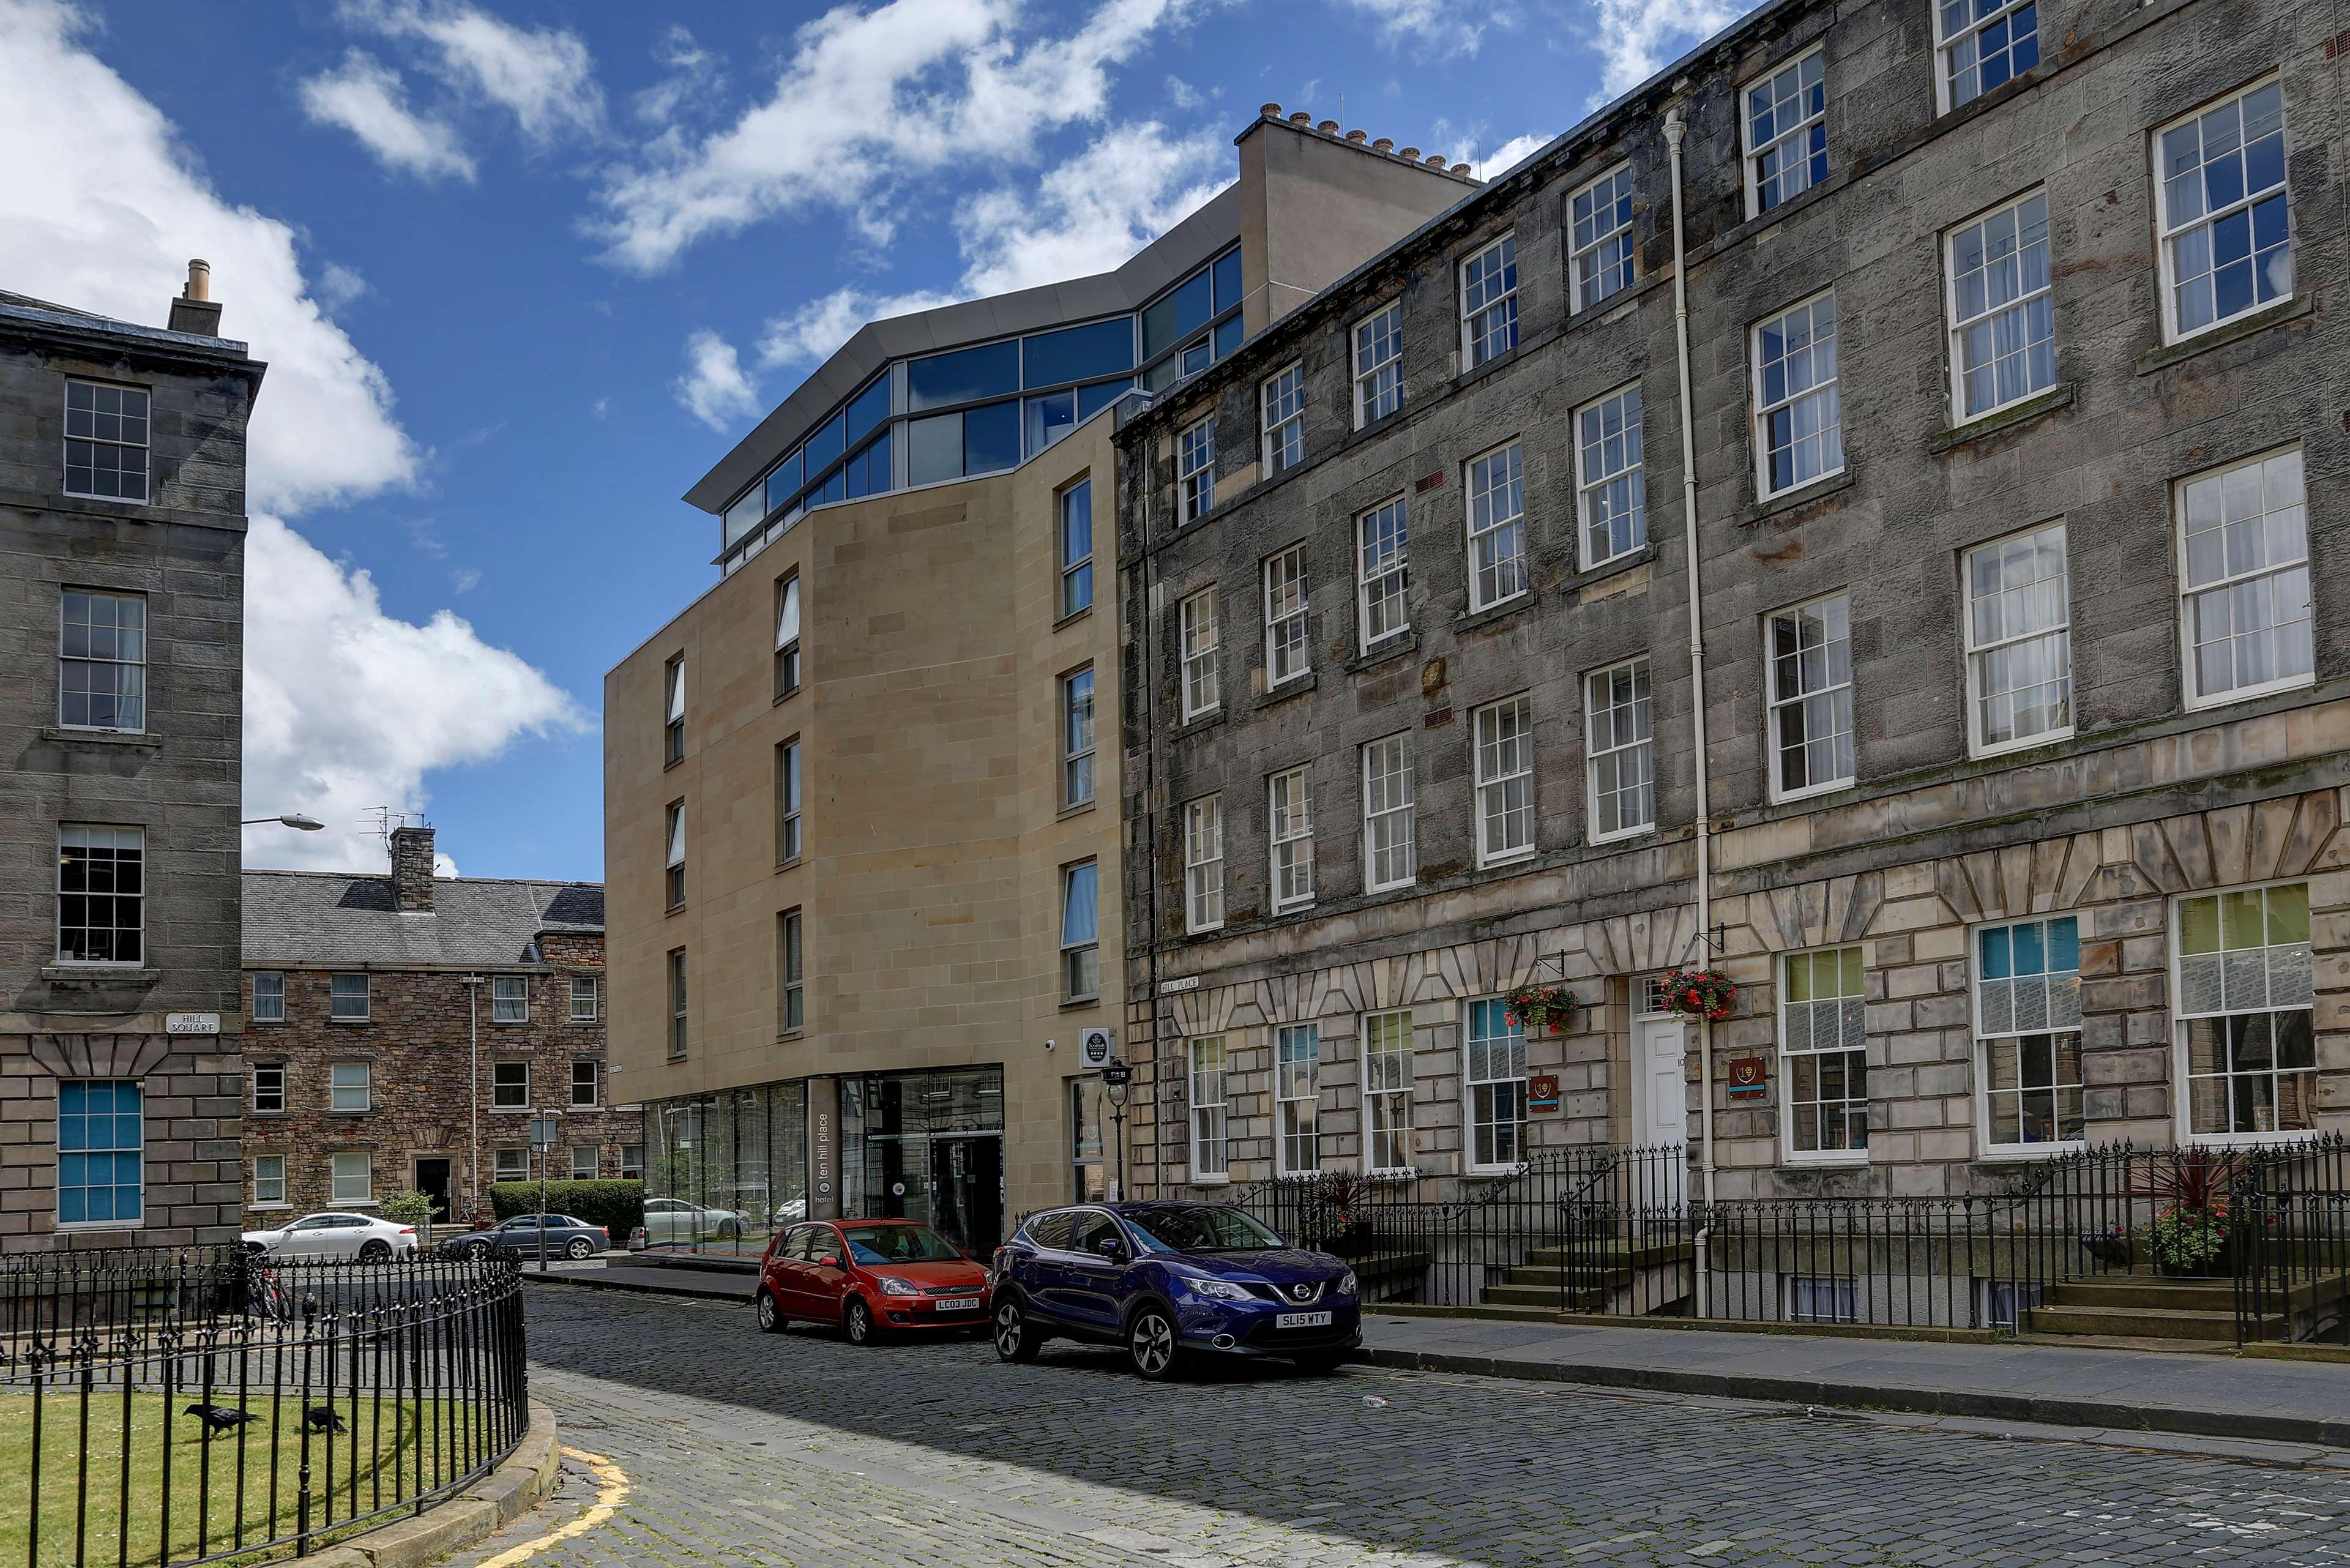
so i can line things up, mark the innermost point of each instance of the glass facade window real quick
(1985, 43)
(1389, 857)
(1210, 1150)
(1799, 428)
(1496, 1084)
(825, 447)
(1611, 491)
(1822, 1036)
(1383, 571)
(785, 478)
(1297, 1091)
(101, 895)
(1621, 740)
(102, 661)
(1810, 658)
(868, 470)
(2225, 223)
(1201, 640)
(1081, 931)
(2245, 1010)
(1048, 418)
(2245, 611)
(1078, 353)
(963, 376)
(1386, 1090)
(926, 1145)
(102, 1152)
(1787, 131)
(2019, 640)
(2028, 1017)
(869, 408)
(2002, 310)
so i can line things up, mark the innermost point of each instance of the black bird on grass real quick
(322, 1419)
(220, 1417)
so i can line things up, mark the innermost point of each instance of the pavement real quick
(741, 1448)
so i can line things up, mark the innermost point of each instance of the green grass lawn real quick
(204, 1476)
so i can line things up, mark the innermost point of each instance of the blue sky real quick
(523, 272)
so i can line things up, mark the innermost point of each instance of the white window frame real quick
(1208, 1125)
(268, 1002)
(1076, 722)
(2167, 235)
(1380, 380)
(1388, 1071)
(342, 1183)
(337, 995)
(269, 1098)
(2190, 669)
(1618, 752)
(1992, 314)
(1077, 571)
(1387, 803)
(1841, 1292)
(593, 995)
(1778, 700)
(2181, 1017)
(1203, 864)
(1288, 633)
(1297, 1098)
(1781, 135)
(1198, 630)
(592, 1153)
(268, 1187)
(1195, 471)
(1502, 306)
(1503, 485)
(1977, 653)
(506, 1094)
(130, 668)
(790, 841)
(1382, 561)
(673, 711)
(787, 634)
(1620, 195)
(1078, 948)
(1521, 703)
(95, 1128)
(1788, 1151)
(1281, 415)
(1830, 389)
(1946, 45)
(1593, 478)
(118, 840)
(1289, 821)
(351, 1088)
(593, 1080)
(120, 442)
(1503, 1086)
(510, 998)
(2060, 1014)
(500, 1169)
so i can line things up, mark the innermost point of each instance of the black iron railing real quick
(166, 1408)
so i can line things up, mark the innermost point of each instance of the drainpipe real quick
(1675, 128)
(471, 983)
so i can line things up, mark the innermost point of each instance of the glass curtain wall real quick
(728, 1168)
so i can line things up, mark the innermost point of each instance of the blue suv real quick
(1168, 1279)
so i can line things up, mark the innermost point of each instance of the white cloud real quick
(365, 97)
(1183, 93)
(544, 78)
(1428, 23)
(869, 99)
(1502, 159)
(1634, 36)
(715, 388)
(692, 79)
(340, 285)
(1084, 216)
(347, 707)
(465, 580)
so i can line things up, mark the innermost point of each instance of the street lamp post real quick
(292, 820)
(1117, 1082)
(543, 1128)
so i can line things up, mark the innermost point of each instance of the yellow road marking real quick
(612, 1485)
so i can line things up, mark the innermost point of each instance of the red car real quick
(871, 1276)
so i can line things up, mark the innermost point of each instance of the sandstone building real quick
(2001, 455)
(862, 831)
(122, 531)
(402, 1031)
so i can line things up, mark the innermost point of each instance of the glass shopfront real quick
(727, 1169)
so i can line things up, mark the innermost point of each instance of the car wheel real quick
(581, 1247)
(730, 1230)
(771, 1316)
(1017, 1339)
(1150, 1344)
(375, 1251)
(1322, 1366)
(857, 1319)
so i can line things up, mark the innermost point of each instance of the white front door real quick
(1659, 1109)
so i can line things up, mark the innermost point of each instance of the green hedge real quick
(617, 1206)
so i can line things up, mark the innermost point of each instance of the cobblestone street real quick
(741, 1448)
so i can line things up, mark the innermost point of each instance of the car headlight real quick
(891, 1285)
(1216, 1290)
(1346, 1285)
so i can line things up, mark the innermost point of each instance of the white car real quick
(335, 1236)
(675, 1219)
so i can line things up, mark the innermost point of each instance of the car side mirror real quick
(1110, 1247)
(828, 1261)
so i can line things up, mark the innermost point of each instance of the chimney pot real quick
(1409, 155)
(1270, 110)
(1359, 137)
(1460, 169)
(199, 279)
(1436, 160)
(1384, 144)
(1301, 118)
(1328, 126)
(411, 871)
(194, 311)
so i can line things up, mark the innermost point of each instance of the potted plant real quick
(1700, 994)
(1538, 1007)
(2193, 1232)
(1340, 1225)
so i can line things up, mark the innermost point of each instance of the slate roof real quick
(298, 917)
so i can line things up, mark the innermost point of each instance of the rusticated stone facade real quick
(2166, 857)
(438, 1077)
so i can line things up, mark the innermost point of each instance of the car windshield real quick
(898, 1244)
(1202, 1228)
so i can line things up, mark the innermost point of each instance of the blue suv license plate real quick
(1303, 1320)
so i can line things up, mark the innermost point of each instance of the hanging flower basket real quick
(1700, 994)
(1539, 1007)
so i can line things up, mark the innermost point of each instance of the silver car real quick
(335, 1236)
(675, 1219)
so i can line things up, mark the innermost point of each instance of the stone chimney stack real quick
(196, 310)
(411, 869)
